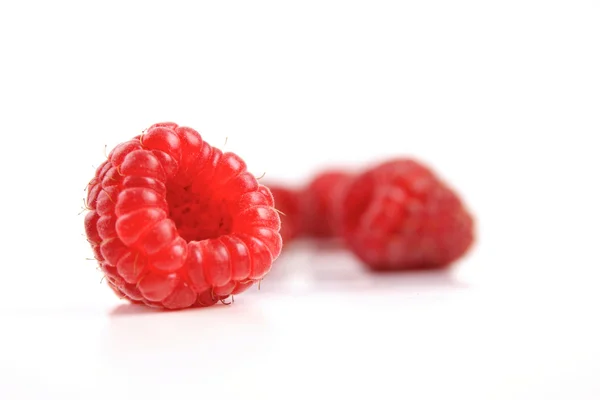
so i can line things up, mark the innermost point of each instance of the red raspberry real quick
(321, 201)
(287, 200)
(175, 222)
(400, 216)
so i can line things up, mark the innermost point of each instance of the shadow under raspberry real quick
(129, 309)
(329, 268)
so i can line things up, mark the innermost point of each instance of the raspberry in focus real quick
(177, 223)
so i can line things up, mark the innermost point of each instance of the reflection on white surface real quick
(304, 331)
(307, 267)
(320, 326)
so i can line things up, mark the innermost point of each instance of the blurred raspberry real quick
(400, 216)
(321, 204)
(287, 200)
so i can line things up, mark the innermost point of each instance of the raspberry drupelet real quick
(176, 223)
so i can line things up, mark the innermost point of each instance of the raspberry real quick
(287, 200)
(400, 216)
(176, 223)
(321, 201)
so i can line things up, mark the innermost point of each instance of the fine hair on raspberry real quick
(175, 223)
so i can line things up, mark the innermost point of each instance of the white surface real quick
(501, 98)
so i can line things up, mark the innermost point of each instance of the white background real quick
(502, 98)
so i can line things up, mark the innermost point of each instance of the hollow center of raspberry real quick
(198, 216)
